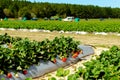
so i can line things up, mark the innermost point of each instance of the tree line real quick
(24, 8)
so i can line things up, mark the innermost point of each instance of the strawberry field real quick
(18, 54)
(92, 25)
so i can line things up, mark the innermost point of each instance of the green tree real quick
(17, 8)
(8, 12)
(108, 12)
(24, 12)
(116, 13)
(2, 15)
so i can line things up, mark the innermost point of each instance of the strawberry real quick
(75, 55)
(54, 61)
(77, 52)
(9, 75)
(64, 59)
(25, 72)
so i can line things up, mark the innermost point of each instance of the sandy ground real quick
(90, 39)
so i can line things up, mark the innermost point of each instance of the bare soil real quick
(90, 39)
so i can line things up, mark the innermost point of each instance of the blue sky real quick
(102, 3)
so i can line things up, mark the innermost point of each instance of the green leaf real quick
(1, 56)
(3, 79)
(81, 71)
(60, 72)
(66, 72)
(28, 79)
(73, 77)
(52, 78)
(86, 75)
(115, 78)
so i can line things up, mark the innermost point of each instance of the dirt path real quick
(91, 39)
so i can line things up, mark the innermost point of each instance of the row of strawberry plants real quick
(104, 67)
(20, 54)
(112, 25)
(6, 39)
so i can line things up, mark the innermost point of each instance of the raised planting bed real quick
(22, 58)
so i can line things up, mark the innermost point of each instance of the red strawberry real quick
(25, 72)
(78, 52)
(9, 75)
(75, 55)
(64, 59)
(54, 61)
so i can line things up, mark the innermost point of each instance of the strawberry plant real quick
(62, 73)
(24, 53)
(52, 78)
(73, 77)
(64, 46)
(90, 26)
(6, 39)
(28, 79)
(3, 79)
(105, 67)
(7, 58)
(20, 54)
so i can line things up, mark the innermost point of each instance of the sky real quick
(101, 3)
